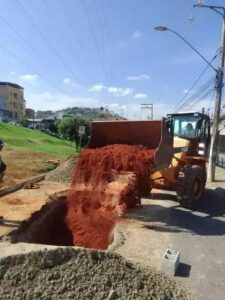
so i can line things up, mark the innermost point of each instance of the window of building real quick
(15, 95)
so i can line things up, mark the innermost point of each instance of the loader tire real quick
(190, 185)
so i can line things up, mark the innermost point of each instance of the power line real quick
(55, 21)
(101, 27)
(67, 18)
(163, 71)
(27, 16)
(192, 100)
(94, 39)
(28, 67)
(197, 94)
(210, 103)
(34, 50)
(205, 95)
(203, 87)
(201, 90)
(189, 20)
(195, 82)
(106, 28)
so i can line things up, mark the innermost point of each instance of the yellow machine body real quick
(167, 178)
(172, 153)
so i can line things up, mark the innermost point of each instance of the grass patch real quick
(28, 139)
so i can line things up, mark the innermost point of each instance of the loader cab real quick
(195, 127)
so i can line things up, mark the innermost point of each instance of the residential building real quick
(29, 113)
(12, 103)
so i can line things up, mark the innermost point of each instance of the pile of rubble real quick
(82, 274)
(63, 173)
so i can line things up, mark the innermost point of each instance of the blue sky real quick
(106, 52)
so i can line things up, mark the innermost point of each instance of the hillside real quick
(84, 112)
(28, 139)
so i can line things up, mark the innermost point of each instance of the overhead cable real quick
(53, 49)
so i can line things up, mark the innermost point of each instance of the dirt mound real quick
(82, 274)
(106, 181)
(63, 173)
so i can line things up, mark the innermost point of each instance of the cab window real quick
(185, 126)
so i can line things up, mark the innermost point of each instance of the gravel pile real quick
(63, 173)
(66, 273)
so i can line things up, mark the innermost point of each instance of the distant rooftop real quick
(11, 84)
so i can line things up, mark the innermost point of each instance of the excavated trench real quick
(106, 181)
(46, 226)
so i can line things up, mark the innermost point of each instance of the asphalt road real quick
(199, 236)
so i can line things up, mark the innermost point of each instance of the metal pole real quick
(80, 140)
(213, 152)
(33, 118)
(219, 87)
(193, 48)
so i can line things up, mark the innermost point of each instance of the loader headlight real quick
(201, 145)
(201, 152)
(201, 149)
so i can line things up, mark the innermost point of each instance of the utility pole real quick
(213, 152)
(148, 106)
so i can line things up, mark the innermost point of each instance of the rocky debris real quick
(66, 273)
(112, 295)
(31, 186)
(63, 173)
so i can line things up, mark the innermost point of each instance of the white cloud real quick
(67, 81)
(136, 34)
(134, 111)
(118, 108)
(140, 96)
(118, 91)
(29, 77)
(114, 90)
(56, 101)
(98, 87)
(12, 73)
(139, 77)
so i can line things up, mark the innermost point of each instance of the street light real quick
(161, 28)
(164, 28)
(218, 87)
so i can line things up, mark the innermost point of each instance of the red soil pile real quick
(106, 181)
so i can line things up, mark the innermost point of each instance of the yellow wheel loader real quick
(181, 144)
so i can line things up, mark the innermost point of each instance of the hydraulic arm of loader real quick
(156, 135)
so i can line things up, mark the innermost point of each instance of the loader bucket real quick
(152, 134)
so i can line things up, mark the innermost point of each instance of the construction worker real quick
(190, 132)
(2, 164)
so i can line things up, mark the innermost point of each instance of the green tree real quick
(68, 128)
(54, 126)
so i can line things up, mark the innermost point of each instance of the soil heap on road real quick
(82, 274)
(106, 181)
(64, 172)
